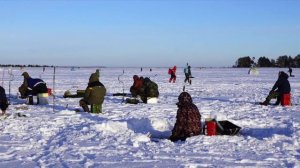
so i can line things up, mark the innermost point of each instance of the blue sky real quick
(147, 32)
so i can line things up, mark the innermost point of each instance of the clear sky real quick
(147, 32)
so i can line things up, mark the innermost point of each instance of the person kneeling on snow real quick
(94, 94)
(282, 86)
(3, 100)
(137, 87)
(32, 86)
(188, 119)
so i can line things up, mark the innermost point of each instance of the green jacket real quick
(95, 92)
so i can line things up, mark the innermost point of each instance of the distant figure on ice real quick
(137, 88)
(188, 119)
(290, 71)
(172, 72)
(94, 95)
(150, 90)
(282, 86)
(3, 100)
(188, 74)
(32, 86)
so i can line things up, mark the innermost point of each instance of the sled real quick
(79, 94)
(132, 101)
(227, 128)
(122, 94)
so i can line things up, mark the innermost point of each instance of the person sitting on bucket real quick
(282, 86)
(94, 93)
(3, 100)
(150, 90)
(32, 86)
(188, 119)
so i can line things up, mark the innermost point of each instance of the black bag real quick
(227, 128)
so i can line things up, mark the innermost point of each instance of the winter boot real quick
(86, 108)
(265, 103)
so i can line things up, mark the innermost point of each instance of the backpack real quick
(170, 71)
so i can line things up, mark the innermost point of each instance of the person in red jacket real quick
(172, 72)
(137, 87)
(188, 119)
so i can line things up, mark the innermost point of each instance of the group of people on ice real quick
(187, 73)
(188, 117)
(144, 88)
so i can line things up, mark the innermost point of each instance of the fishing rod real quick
(53, 93)
(11, 78)
(122, 85)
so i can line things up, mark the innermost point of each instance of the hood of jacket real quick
(184, 99)
(283, 75)
(94, 78)
(26, 75)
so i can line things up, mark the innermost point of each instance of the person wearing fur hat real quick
(281, 86)
(94, 94)
(32, 86)
(188, 119)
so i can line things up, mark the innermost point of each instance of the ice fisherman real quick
(137, 88)
(282, 86)
(290, 71)
(32, 86)
(188, 74)
(150, 90)
(3, 101)
(94, 94)
(188, 119)
(172, 72)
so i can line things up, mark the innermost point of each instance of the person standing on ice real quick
(282, 86)
(32, 86)
(94, 94)
(188, 119)
(172, 72)
(290, 71)
(188, 74)
(3, 100)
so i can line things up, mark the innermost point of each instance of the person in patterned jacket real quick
(188, 119)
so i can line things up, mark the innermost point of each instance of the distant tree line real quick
(21, 66)
(281, 61)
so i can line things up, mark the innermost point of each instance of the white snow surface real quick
(55, 135)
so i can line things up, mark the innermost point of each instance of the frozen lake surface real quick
(57, 136)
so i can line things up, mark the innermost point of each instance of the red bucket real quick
(211, 128)
(286, 99)
(49, 91)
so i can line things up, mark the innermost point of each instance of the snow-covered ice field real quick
(57, 136)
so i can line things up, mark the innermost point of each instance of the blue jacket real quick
(32, 82)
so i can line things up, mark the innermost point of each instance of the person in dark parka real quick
(150, 90)
(188, 119)
(94, 93)
(3, 100)
(282, 86)
(32, 86)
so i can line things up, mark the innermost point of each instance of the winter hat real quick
(25, 74)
